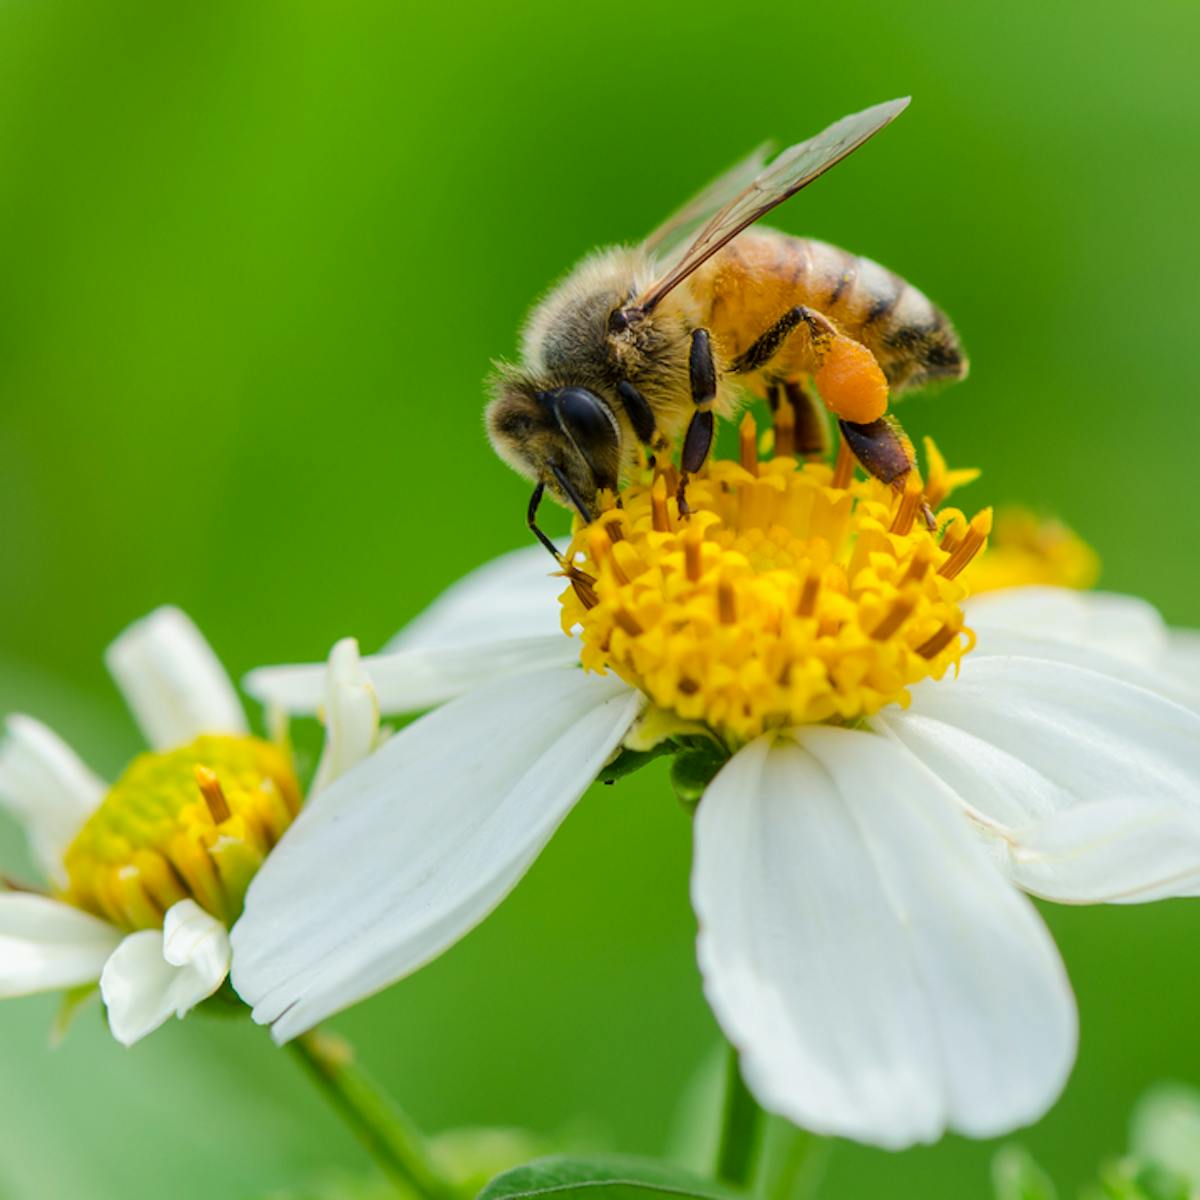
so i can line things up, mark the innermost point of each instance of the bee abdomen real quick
(910, 336)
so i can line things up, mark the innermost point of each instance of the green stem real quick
(803, 1166)
(741, 1129)
(387, 1133)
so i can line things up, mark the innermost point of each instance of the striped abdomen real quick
(761, 274)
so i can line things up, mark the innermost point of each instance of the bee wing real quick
(708, 201)
(792, 170)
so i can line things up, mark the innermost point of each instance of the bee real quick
(640, 348)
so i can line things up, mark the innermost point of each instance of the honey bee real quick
(640, 347)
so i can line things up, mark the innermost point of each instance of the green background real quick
(254, 261)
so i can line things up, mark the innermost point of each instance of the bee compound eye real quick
(585, 417)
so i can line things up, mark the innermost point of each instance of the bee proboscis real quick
(641, 347)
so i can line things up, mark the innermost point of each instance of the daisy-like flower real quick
(147, 876)
(900, 764)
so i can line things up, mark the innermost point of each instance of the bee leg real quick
(768, 344)
(881, 447)
(812, 428)
(531, 520)
(641, 417)
(702, 374)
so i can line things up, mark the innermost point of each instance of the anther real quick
(726, 602)
(808, 596)
(785, 429)
(214, 796)
(748, 444)
(628, 622)
(976, 535)
(953, 535)
(906, 510)
(583, 585)
(692, 558)
(900, 611)
(919, 565)
(658, 505)
(843, 469)
(940, 640)
(614, 531)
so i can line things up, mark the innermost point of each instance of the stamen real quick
(584, 586)
(748, 444)
(658, 501)
(726, 602)
(921, 560)
(906, 510)
(843, 469)
(785, 428)
(940, 640)
(808, 596)
(692, 556)
(629, 623)
(900, 611)
(972, 543)
(210, 789)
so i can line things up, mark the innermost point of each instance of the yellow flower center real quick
(192, 822)
(793, 593)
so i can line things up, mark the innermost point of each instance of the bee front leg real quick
(702, 374)
(641, 417)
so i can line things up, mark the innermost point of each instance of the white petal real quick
(1182, 656)
(1122, 627)
(398, 859)
(153, 974)
(512, 597)
(880, 979)
(45, 944)
(1019, 740)
(351, 714)
(1119, 636)
(1114, 851)
(411, 680)
(47, 788)
(172, 681)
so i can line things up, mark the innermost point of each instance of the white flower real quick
(122, 914)
(861, 940)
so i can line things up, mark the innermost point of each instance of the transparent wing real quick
(708, 201)
(795, 168)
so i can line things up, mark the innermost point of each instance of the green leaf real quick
(602, 1177)
(1015, 1176)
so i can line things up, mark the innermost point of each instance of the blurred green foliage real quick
(256, 257)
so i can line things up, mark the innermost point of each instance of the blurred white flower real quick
(148, 875)
(861, 940)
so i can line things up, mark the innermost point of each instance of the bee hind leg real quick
(801, 428)
(702, 373)
(882, 447)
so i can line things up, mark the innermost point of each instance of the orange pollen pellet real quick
(906, 510)
(214, 796)
(748, 444)
(976, 535)
(900, 611)
(843, 469)
(658, 504)
(785, 429)
(851, 382)
(726, 602)
(940, 640)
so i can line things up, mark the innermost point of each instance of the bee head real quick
(565, 437)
